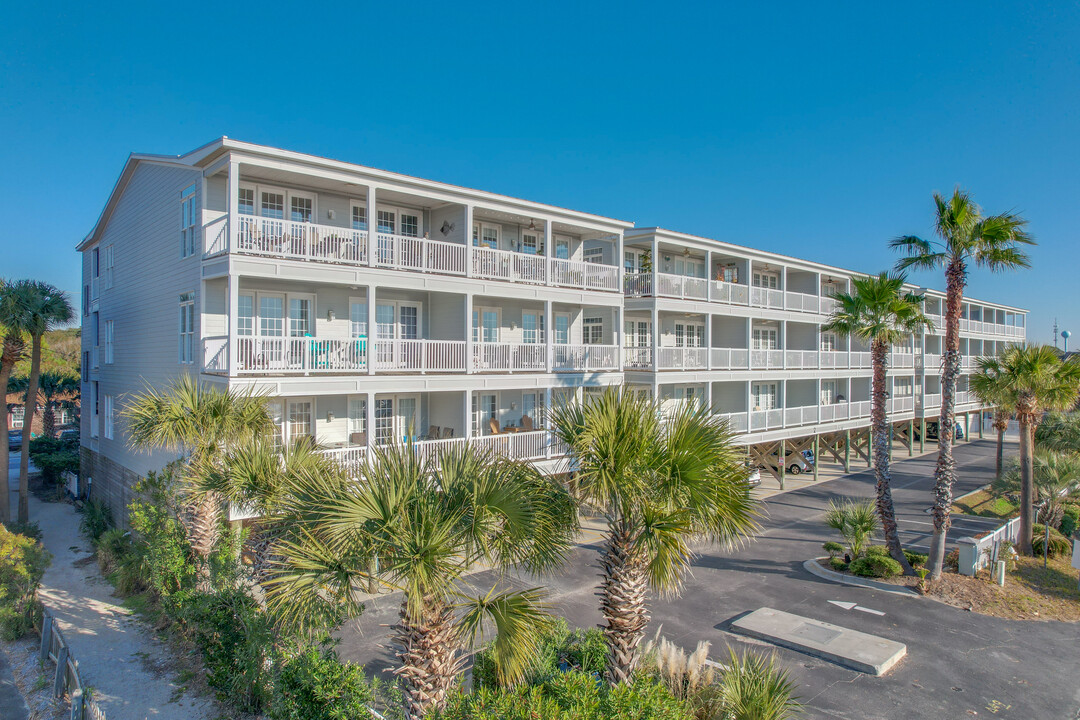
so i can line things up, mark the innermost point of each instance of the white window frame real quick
(257, 190)
(690, 334)
(593, 255)
(830, 390)
(108, 431)
(108, 267)
(299, 195)
(480, 239)
(358, 327)
(186, 329)
(110, 336)
(187, 220)
(354, 205)
(764, 338)
(18, 417)
(564, 242)
(569, 328)
(396, 212)
(589, 326)
(771, 391)
(478, 323)
(532, 242)
(481, 426)
(766, 279)
(290, 331)
(830, 342)
(537, 332)
(356, 422)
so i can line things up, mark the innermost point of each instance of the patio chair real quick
(358, 438)
(447, 433)
(432, 433)
(526, 423)
(493, 424)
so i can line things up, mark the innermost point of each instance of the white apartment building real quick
(373, 307)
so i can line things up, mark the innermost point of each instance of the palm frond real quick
(519, 619)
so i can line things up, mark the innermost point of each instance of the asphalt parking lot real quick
(959, 664)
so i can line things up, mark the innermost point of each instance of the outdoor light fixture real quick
(330, 315)
(329, 416)
(447, 227)
(532, 224)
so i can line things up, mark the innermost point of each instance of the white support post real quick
(373, 240)
(369, 420)
(708, 274)
(230, 322)
(617, 335)
(233, 203)
(655, 335)
(549, 248)
(466, 431)
(783, 344)
(708, 396)
(620, 262)
(469, 347)
(372, 329)
(749, 343)
(655, 280)
(708, 344)
(469, 247)
(749, 281)
(817, 391)
(783, 403)
(783, 286)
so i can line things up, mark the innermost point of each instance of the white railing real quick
(833, 359)
(304, 354)
(859, 409)
(766, 419)
(860, 360)
(509, 357)
(682, 286)
(737, 421)
(828, 304)
(802, 302)
(351, 458)
(731, 293)
(901, 360)
(534, 445)
(637, 358)
(216, 236)
(968, 361)
(834, 412)
(801, 359)
(938, 320)
(730, 358)
(299, 240)
(506, 265)
(586, 357)
(964, 396)
(767, 298)
(932, 362)
(901, 404)
(637, 284)
(216, 354)
(587, 275)
(800, 415)
(531, 445)
(401, 252)
(682, 358)
(931, 400)
(403, 355)
(766, 359)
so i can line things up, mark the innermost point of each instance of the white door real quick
(764, 396)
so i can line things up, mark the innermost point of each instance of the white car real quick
(754, 478)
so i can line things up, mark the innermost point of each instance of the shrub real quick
(952, 559)
(22, 564)
(315, 685)
(97, 518)
(833, 548)
(756, 688)
(235, 638)
(565, 696)
(855, 520)
(29, 529)
(1070, 520)
(112, 546)
(54, 465)
(879, 566)
(838, 564)
(877, 551)
(559, 649)
(915, 559)
(1059, 544)
(161, 547)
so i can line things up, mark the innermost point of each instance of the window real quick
(828, 392)
(902, 387)
(593, 333)
(484, 408)
(532, 407)
(358, 319)
(562, 248)
(594, 255)
(108, 267)
(829, 342)
(17, 414)
(689, 335)
(95, 262)
(530, 244)
(108, 417)
(85, 366)
(764, 396)
(766, 280)
(386, 221)
(357, 415)
(359, 216)
(637, 333)
(299, 420)
(64, 416)
(384, 420)
(94, 408)
(764, 339)
(86, 301)
(532, 327)
(271, 315)
(110, 334)
(187, 222)
(245, 204)
(410, 225)
(562, 329)
(272, 204)
(299, 317)
(485, 327)
(187, 328)
(245, 314)
(301, 208)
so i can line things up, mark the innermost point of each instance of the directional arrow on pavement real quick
(845, 605)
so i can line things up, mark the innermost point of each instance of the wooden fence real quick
(66, 679)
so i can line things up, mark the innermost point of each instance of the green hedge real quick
(315, 685)
(23, 561)
(875, 565)
(560, 649)
(1059, 544)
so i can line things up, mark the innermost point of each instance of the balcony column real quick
(233, 204)
(466, 405)
(708, 396)
(783, 343)
(549, 252)
(749, 281)
(616, 336)
(230, 322)
(373, 240)
(708, 342)
(783, 403)
(654, 281)
(369, 421)
(749, 344)
(620, 262)
(549, 337)
(655, 336)
(468, 245)
(749, 405)
(469, 345)
(783, 286)
(708, 275)
(372, 329)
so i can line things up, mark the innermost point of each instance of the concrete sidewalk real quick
(128, 668)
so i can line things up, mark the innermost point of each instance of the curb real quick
(811, 566)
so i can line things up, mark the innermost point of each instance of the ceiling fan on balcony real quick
(447, 227)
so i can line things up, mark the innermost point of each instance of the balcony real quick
(509, 357)
(288, 240)
(730, 358)
(901, 405)
(585, 357)
(901, 360)
(802, 302)
(766, 359)
(801, 359)
(931, 400)
(767, 298)
(682, 358)
(637, 358)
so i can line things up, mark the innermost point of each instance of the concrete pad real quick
(859, 651)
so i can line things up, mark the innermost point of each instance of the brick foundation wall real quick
(111, 483)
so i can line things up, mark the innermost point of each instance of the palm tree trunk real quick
(1001, 424)
(623, 593)
(427, 647)
(28, 424)
(882, 437)
(12, 351)
(1027, 486)
(945, 472)
(48, 421)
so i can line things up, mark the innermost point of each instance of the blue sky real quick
(818, 130)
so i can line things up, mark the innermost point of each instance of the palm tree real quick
(660, 481)
(965, 237)
(1056, 478)
(11, 352)
(42, 307)
(201, 423)
(428, 518)
(1060, 432)
(1033, 380)
(880, 313)
(54, 389)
